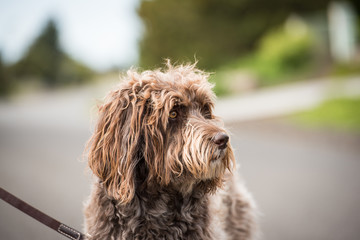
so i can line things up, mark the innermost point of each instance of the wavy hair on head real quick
(132, 127)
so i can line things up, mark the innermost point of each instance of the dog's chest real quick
(165, 219)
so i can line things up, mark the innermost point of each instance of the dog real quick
(163, 163)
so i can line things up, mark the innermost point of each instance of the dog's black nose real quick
(221, 140)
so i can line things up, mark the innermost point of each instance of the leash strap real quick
(40, 216)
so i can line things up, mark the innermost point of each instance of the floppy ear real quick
(114, 147)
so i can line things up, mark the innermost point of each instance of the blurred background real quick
(287, 75)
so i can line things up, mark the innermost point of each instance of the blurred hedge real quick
(215, 32)
(282, 54)
(45, 62)
(6, 85)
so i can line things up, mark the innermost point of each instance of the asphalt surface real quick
(306, 183)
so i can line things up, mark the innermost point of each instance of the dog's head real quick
(158, 127)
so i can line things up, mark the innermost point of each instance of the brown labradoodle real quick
(163, 163)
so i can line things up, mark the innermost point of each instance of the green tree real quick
(44, 57)
(5, 82)
(213, 31)
(46, 60)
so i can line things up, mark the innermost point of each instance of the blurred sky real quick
(100, 33)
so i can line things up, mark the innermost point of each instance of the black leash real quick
(40, 216)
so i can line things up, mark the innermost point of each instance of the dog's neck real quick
(173, 191)
(178, 210)
(154, 212)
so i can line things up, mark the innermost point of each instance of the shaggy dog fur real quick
(163, 163)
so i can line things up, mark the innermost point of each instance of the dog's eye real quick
(173, 114)
(206, 112)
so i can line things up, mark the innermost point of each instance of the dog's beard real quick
(200, 155)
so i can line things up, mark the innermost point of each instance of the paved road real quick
(307, 184)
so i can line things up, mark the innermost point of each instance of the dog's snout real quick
(221, 139)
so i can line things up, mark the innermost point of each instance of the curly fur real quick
(160, 174)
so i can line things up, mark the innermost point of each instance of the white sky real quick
(100, 33)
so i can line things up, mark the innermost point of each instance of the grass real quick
(339, 114)
(346, 69)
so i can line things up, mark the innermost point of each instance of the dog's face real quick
(158, 127)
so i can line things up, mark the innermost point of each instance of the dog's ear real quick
(114, 146)
(156, 135)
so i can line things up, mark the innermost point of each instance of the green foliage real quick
(46, 60)
(73, 72)
(215, 32)
(346, 69)
(44, 57)
(220, 88)
(281, 55)
(342, 114)
(6, 85)
(207, 30)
